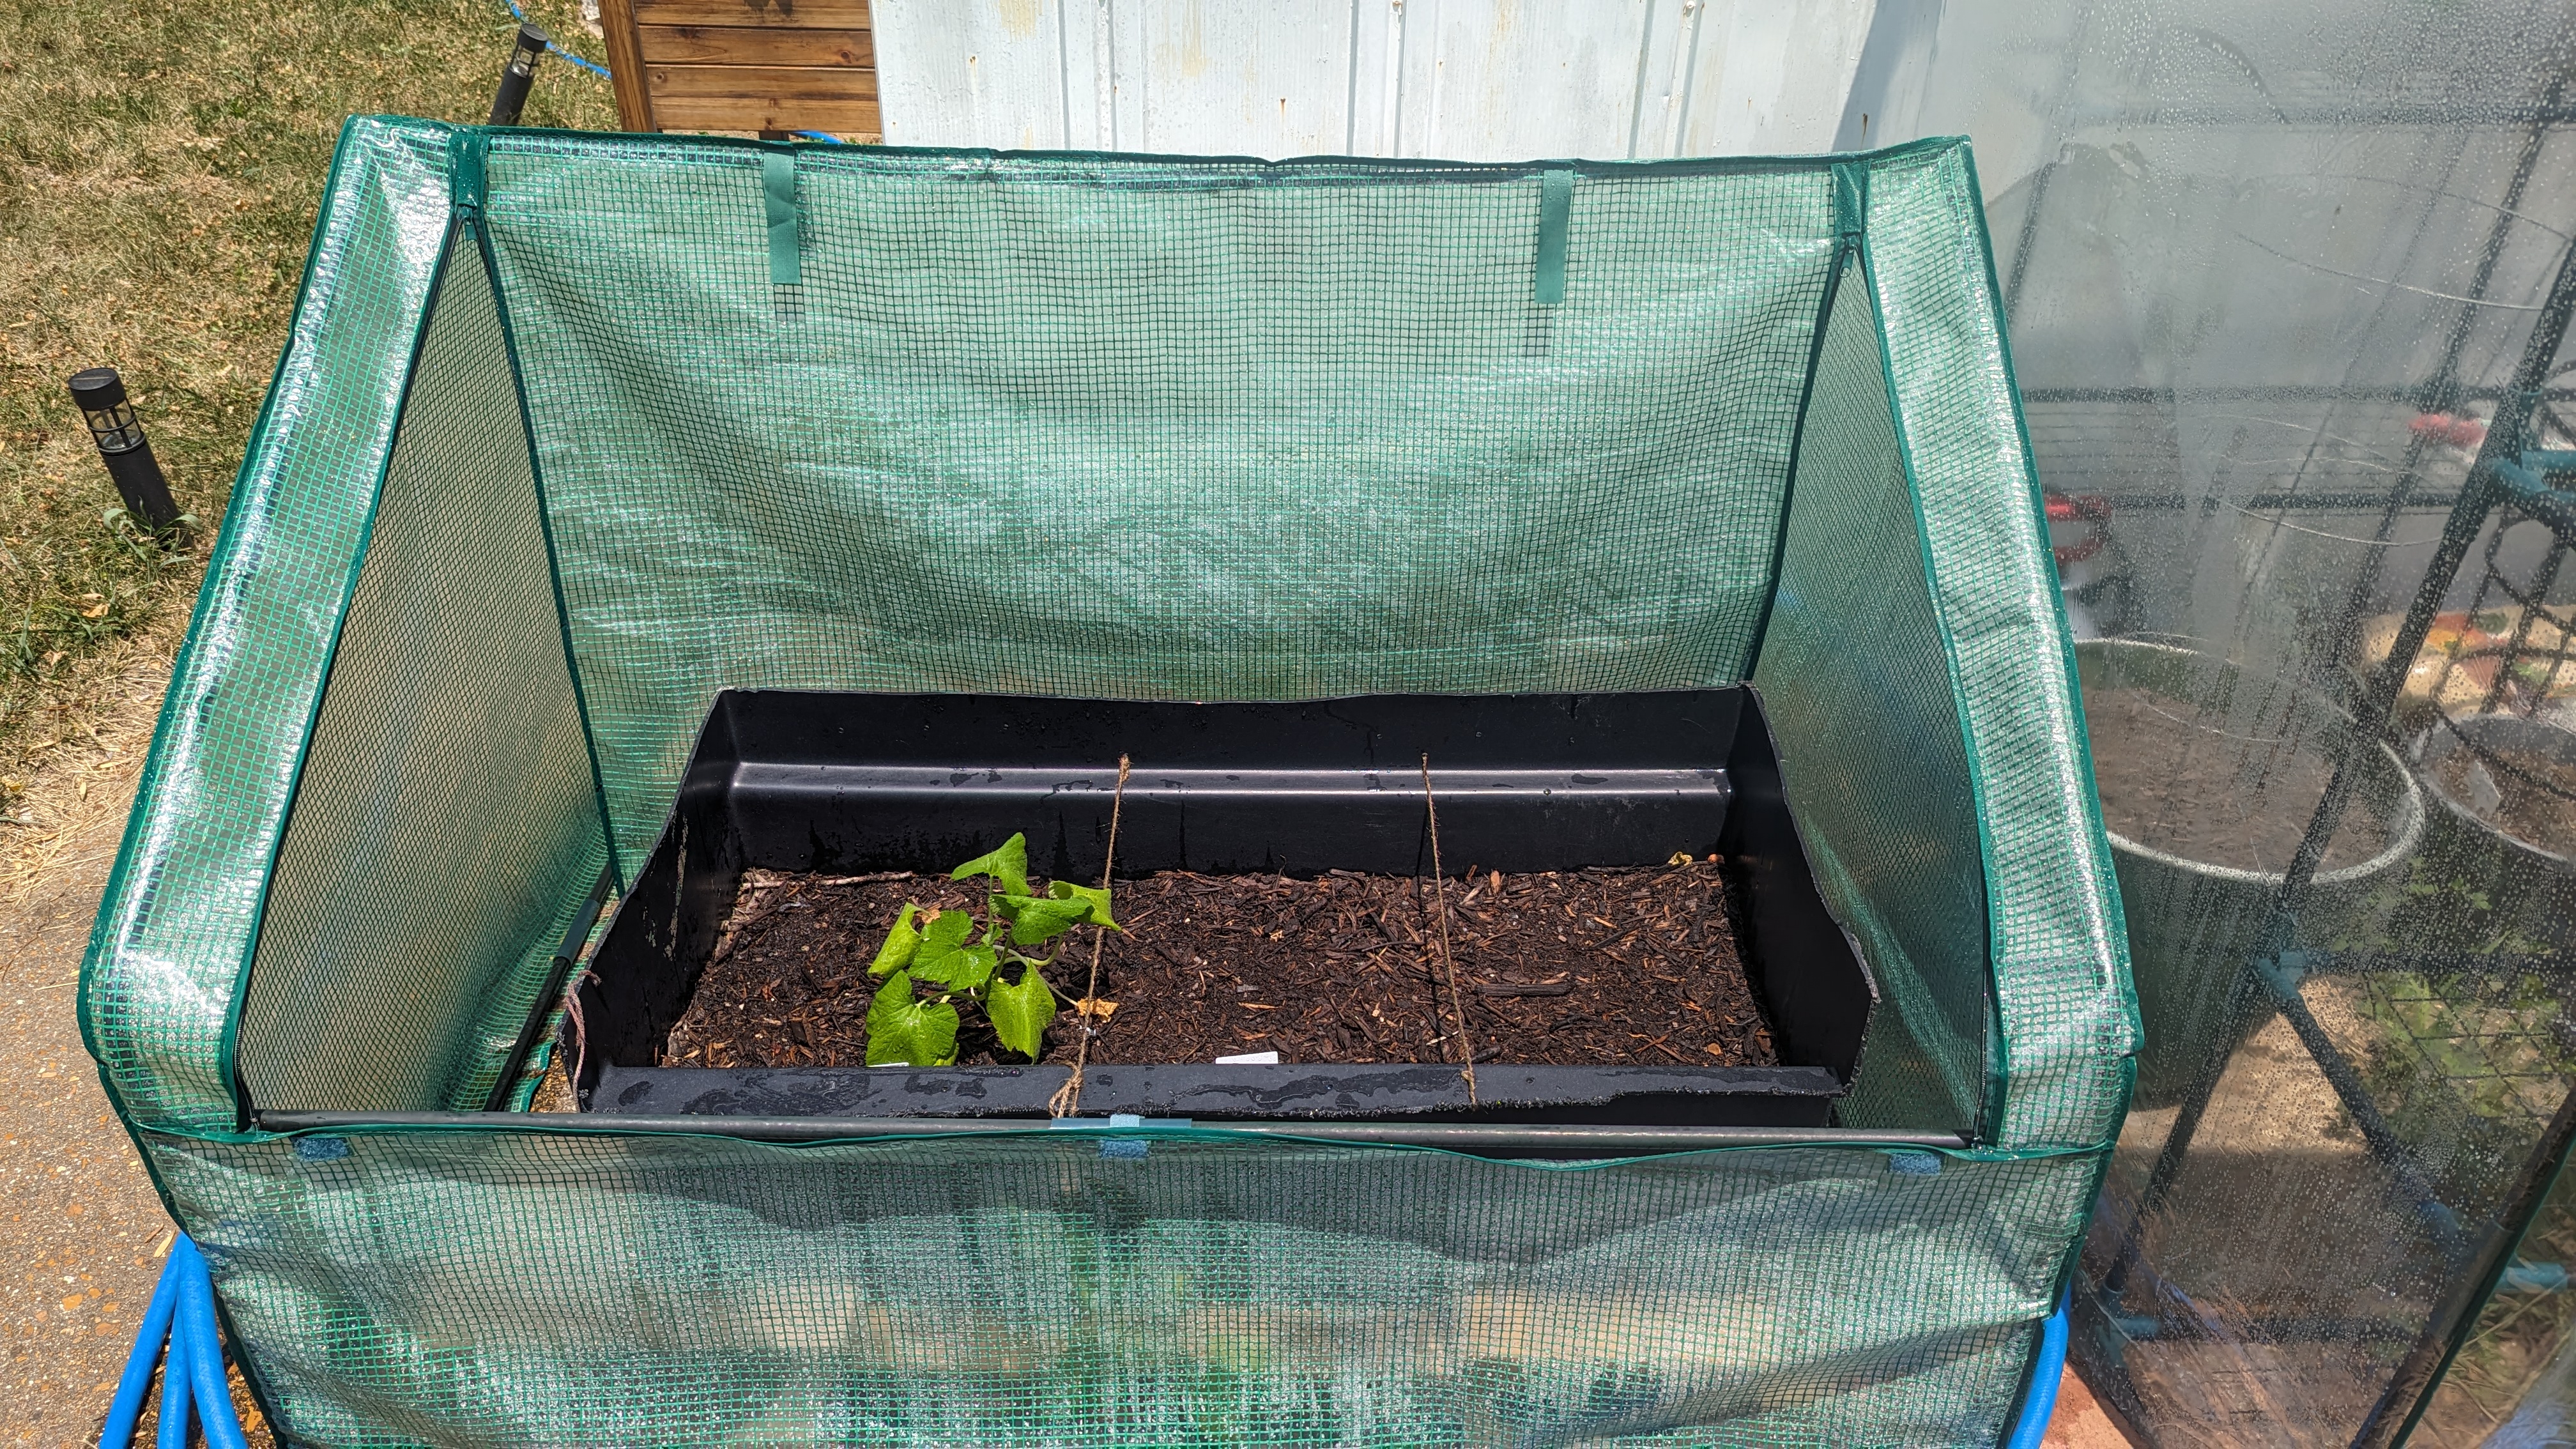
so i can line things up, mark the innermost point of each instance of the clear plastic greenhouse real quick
(2288, 296)
(574, 433)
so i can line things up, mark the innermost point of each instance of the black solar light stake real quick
(122, 446)
(517, 75)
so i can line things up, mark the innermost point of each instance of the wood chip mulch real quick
(1584, 967)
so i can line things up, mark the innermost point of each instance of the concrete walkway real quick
(82, 1231)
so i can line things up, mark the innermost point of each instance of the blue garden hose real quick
(182, 1316)
(175, 1392)
(601, 71)
(2040, 1404)
(127, 1406)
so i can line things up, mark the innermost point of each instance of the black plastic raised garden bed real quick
(836, 782)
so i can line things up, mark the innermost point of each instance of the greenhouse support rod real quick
(2024, 244)
(2442, 396)
(2440, 963)
(2459, 532)
(2530, 494)
(2419, 395)
(2287, 1329)
(2027, 240)
(2517, 649)
(2343, 123)
(2411, 1385)
(550, 995)
(1411, 1134)
(2349, 1089)
(2354, 1093)
(2210, 503)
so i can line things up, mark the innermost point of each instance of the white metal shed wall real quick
(1472, 80)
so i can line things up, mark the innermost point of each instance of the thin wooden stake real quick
(1068, 1098)
(1439, 894)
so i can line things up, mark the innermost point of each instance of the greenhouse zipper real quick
(601, 71)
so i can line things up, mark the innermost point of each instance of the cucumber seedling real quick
(956, 959)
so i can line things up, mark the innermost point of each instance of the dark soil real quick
(2529, 797)
(2169, 780)
(1585, 967)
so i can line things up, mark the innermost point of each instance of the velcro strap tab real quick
(1555, 209)
(778, 187)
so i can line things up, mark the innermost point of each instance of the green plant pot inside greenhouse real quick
(575, 433)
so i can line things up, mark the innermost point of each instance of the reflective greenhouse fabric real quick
(576, 431)
(2281, 279)
(509, 1287)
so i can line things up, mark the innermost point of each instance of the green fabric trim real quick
(2031, 1073)
(2096, 837)
(1555, 207)
(1851, 199)
(228, 1043)
(168, 1060)
(1408, 170)
(778, 190)
(228, 544)
(465, 157)
(1990, 1115)
(1846, 256)
(554, 566)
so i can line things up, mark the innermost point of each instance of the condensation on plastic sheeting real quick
(1465, 80)
(2268, 268)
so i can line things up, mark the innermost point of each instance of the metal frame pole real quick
(2504, 440)
(2467, 517)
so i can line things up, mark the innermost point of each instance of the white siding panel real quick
(1263, 80)
(1478, 80)
(951, 73)
(1772, 76)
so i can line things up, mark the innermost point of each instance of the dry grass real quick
(160, 169)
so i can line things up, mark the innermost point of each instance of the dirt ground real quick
(81, 1226)
(2080, 1422)
(2274, 1157)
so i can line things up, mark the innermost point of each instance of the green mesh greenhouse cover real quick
(574, 431)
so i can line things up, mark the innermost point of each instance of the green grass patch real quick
(160, 170)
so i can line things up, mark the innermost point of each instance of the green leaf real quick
(1096, 901)
(1009, 864)
(947, 932)
(946, 959)
(903, 1032)
(1020, 1013)
(1035, 919)
(965, 969)
(899, 945)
